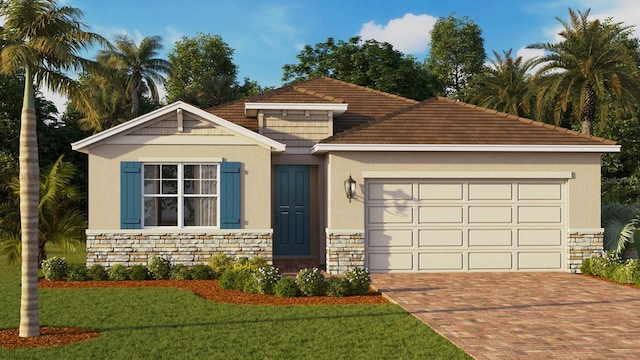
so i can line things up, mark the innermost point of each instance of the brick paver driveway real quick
(523, 315)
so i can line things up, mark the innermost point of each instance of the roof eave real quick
(324, 148)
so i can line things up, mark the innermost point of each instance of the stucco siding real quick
(583, 188)
(104, 177)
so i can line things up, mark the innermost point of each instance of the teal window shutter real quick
(130, 195)
(230, 195)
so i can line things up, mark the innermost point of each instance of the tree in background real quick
(203, 72)
(62, 222)
(504, 85)
(43, 40)
(456, 54)
(588, 73)
(367, 63)
(138, 64)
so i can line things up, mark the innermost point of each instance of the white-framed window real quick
(180, 194)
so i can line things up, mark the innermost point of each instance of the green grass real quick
(159, 323)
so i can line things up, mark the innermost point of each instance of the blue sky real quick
(268, 34)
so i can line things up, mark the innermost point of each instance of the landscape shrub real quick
(337, 287)
(359, 280)
(180, 272)
(310, 282)
(138, 272)
(257, 262)
(98, 273)
(237, 279)
(202, 272)
(118, 272)
(585, 267)
(604, 264)
(159, 268)
(286, 287)
(54, 268)
(627, 272)
(222, 263)
(77, 272)
(265, 279)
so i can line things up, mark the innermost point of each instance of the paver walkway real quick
(523, 315)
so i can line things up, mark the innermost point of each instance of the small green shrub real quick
(359, 280)
(222, 263)
(286, 287)
(159, 268)
(138, 272)
(180, 272)
(337, 287)
(310, 282)
(627, 272)
(98, 273)
(238, 279)
(118, 272)
(604, 264)
(265, 279)
(585, 267)
(202, 272)
(77, 272)
(54, 268)
(257, 262)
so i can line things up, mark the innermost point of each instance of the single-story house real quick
(348, 176)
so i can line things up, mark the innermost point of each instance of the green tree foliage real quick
(203, 72)
(504, 85)
(43, 40)
(456, 54)
(135, 68)
(589, 70)
(368, 63)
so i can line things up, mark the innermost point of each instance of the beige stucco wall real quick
(104, 177)
(583, 188)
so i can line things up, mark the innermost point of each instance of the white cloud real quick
(409, 34)
(173, 35)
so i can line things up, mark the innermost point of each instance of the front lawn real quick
(176, 324)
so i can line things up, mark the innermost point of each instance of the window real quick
(180, 195)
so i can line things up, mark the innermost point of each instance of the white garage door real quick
(465, 225)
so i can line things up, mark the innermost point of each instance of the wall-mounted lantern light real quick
(350, 187)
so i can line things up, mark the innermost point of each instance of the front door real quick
(292, 210)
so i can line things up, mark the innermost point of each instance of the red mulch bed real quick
(207, 289)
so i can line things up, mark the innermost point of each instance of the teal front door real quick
(291, 232)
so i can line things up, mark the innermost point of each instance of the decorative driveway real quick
(523, 315)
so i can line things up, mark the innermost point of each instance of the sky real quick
(266, 35)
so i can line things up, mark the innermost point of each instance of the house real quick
(347, 176)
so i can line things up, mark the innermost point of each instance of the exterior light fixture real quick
(350, 187)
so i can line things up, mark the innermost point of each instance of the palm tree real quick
(43, 40)
(504, 85)
(590, 65)
(620, 222)
(139, 65)
(61, 223)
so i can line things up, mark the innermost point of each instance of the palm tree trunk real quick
(588, 113)
(29, 200)
(135, 101)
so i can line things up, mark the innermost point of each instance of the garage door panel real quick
(490, 237)
(540, 260)
(390, 191)
(490, 192)
(490, 261)
(400, 261)
(390, 238)
(539, 237)
(539, 192)
(390, 214)
(441, 214)
(490, 214)
(440, 261)
(440, 191)
(440, 237)
(539, 214)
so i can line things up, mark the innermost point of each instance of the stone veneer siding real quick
(583, 244)
(345, 250)
(130, 247)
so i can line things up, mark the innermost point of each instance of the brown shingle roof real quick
(375, 117)
(444, 121)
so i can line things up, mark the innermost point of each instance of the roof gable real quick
(157, 116)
